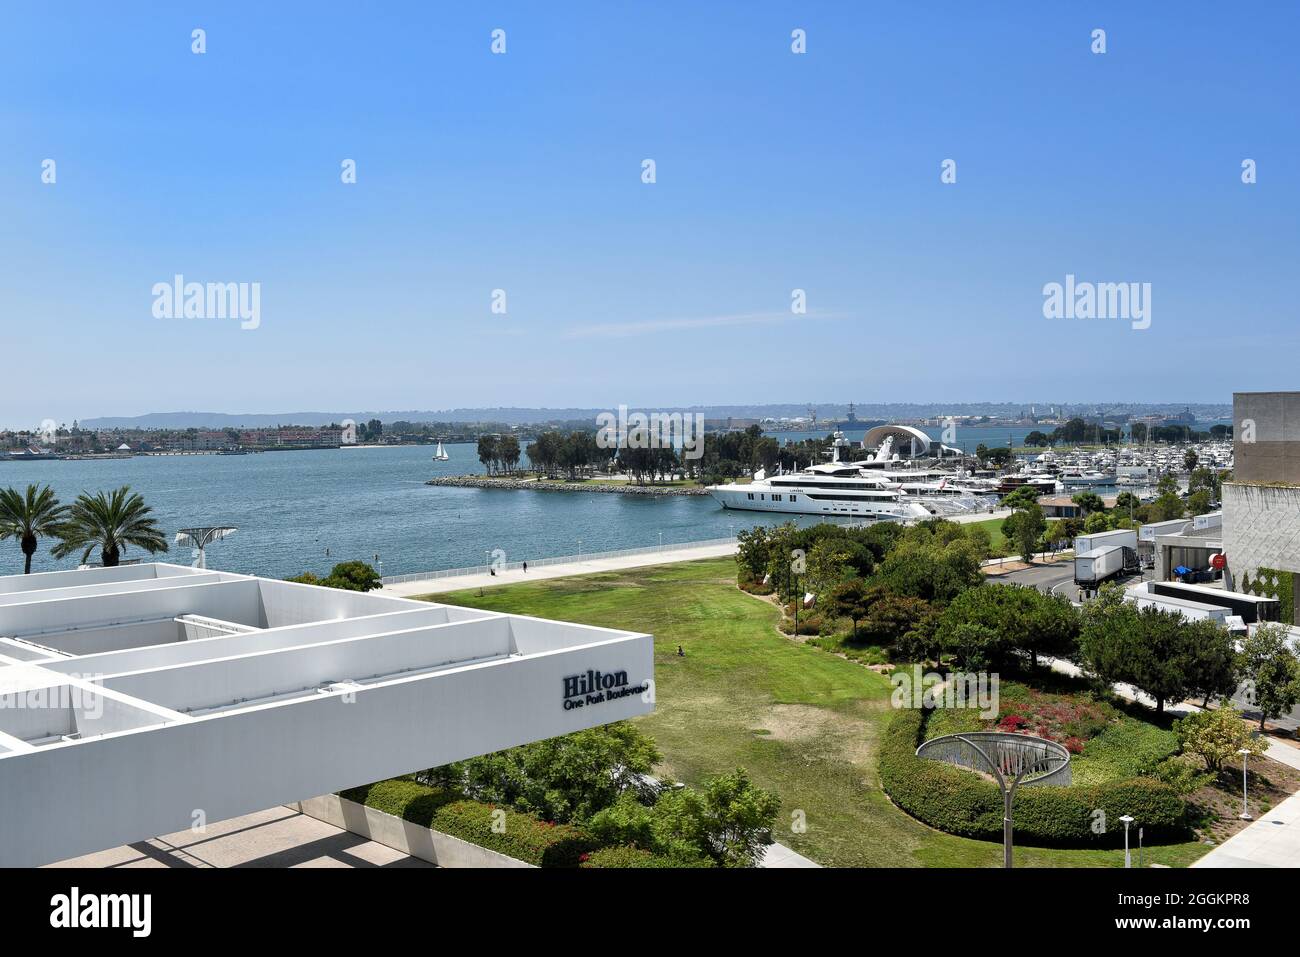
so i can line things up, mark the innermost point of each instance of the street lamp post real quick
(579, 551)
(1245, 811)
(1128, 857)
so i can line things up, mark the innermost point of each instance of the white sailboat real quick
(440, 455)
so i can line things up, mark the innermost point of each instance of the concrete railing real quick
(559, 560)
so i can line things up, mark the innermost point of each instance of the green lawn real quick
(1000, 545)
(804, 722)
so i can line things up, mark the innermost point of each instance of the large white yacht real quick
(831, 488)
(878, 487)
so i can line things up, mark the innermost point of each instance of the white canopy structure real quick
(144, 699)
(903, 440)
(200, 537)
(887, 442)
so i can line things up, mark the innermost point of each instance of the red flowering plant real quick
(1071, 721)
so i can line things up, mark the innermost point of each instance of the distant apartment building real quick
(1261, 505)
(305, 437)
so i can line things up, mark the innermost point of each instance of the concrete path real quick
(1272, 841)
(433, 586)
(277, 837)
(778, 855)
(687, 553)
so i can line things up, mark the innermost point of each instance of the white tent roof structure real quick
(136, 700)
(908, 441)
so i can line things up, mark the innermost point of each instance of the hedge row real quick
(963, 803)
(623, 856)
(524, 837)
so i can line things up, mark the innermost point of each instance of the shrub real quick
(810, 623)
(525, 837)
(1216, 737)
(403, 798)
(960, 802)
(635, 857)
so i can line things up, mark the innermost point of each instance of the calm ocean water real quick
(290, 507)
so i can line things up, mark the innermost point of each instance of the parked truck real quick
(1098, 565)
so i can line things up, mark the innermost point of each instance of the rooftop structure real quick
(141, 700)
(1261, 504)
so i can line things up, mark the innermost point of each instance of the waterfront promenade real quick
(575, 565)
(481, 577)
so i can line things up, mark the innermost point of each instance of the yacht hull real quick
(804, 504)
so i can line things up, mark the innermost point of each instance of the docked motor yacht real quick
(881, 486)
(830, 488)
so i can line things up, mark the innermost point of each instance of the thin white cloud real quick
(646, 327)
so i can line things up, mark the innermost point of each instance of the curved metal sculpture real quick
(201, 537)
(1012, 759)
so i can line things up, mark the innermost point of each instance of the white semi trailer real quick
(1098, 565)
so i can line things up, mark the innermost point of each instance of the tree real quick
(850, 600)
(1190, 458)
(730, 820)
(1198, 503)
(1271, 667)
(1020, 619)
(110, 522)
(27, 517)
(508, 452)
(1126, 501)
(1089, 501)
(1216, 736)
(1021, 497)
(931, 569)
(752, 552)
(1096, 522)
(828, 566)
(487, 452)
(564, 779)
(1156, 651)
(348, 576)
(891, 617)
(1024, 528)
(974, 647)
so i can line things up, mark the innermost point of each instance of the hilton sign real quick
(596, 687)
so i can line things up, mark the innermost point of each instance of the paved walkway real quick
(580, 566)
(277, 837)
(778, 855)
(1272, 841)
(432, 586)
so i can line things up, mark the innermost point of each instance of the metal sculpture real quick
(1012, 759)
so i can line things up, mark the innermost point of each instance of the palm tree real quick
(28, 517)
(109, 522)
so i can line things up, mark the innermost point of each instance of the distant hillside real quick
(513, 415)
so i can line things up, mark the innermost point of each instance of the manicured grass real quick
(1000, 546)
(803, 721)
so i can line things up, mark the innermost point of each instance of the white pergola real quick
(145, 699)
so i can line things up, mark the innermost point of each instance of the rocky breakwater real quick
(551, 485)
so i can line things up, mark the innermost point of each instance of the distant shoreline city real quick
(210, 432)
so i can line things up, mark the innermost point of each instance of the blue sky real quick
(522, 172)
